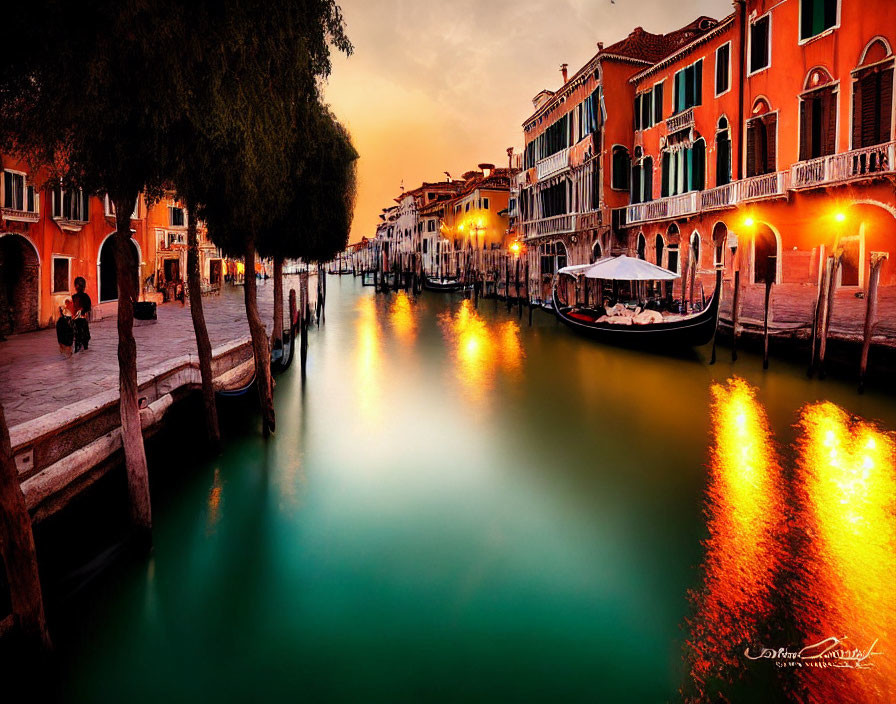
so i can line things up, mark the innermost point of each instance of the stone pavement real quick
(35, 379)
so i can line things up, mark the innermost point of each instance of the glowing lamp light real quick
(749, 222)
(515, 247)
(840, 216)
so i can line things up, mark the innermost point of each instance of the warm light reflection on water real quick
(368, 359)
(403, 318)
(214, 503)
(846, 497)
(744, 512)
(480, 350)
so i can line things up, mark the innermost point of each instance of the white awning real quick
(621, 268)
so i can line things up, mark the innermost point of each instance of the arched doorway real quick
(642, 246)
(108, 269)
(596, 251)
(19, 285)
(765, 245)
(659, 245)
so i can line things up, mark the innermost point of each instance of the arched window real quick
(659, 246)
(818, 115)
(561, 255)
(672, 249)
(762, 139)
(622, 165)
(872, 97)
(695, 248)
(719, 239)
(642, 246)
(596, 251)
(723, 153)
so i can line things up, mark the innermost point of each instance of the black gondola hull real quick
(431, 284)
(693, 331)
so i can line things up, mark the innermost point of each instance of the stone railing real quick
(21, 215)
(555, 225)
(836, 168)
(552, 164)
(671, 207)
(763, 186)
(719, 197)
(680, 121)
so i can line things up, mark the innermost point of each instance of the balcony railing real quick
(552, 164)
(21, 215)
(762, 186)
(680, 121)
(719, 197)
(671, 207)
(836, 168)
(554, 225)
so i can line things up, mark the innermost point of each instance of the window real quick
(71, 205)
(762, 136)
(818, 123)
(872, 106)
(431, 225)
(175, 216)
(723, 68)
(642, 181)
(760, 44)
(672, 255)
(684, 170)
(621, 166)
(658, 103)
(485, 203)
(553, 200)
(816, 16)
(467, 207)
(109, 207)
(425, 246)
(688, 87)
(723, 154)
(61, 271)
(17, 193)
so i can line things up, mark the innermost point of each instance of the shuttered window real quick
(816, 16)
(621, 167)
(872, 106)
(723, 60)
(666, 175)
(688, 87)
(723, 159)
(658, 103)
(760, 45)
(818, 124)
(647, 179)
(637, 113)
(762, 135)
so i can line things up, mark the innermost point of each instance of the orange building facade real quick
(49, 237)
(763, 142)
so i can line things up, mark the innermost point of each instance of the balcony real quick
(848, 166)
(664, 208)
(681, 121)
(719, 197)
(556, 225)
(20, 215)
(555, 163)
(762, 186)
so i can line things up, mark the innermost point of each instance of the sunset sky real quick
(443, 86)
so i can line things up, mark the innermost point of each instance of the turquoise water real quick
(456, 507)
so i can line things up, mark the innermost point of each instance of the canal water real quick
(460, 507)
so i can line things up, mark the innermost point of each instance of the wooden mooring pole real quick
(820, 298)
(828, 311)
(735, 310)
(771, 267)
(877, 261)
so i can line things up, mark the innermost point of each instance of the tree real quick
(17, 549)
(315, 224)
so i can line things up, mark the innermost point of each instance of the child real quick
(65, 333)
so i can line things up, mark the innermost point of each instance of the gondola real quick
(237, 392)
(690, 331)
(431, 283)
(282, 358)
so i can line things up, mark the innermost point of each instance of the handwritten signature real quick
(829, 652)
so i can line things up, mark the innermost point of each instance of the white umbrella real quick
(624, 268)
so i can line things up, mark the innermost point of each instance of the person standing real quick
(64, 332)
(82, 305)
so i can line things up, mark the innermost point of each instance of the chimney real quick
(510, 158)
(600, 46)
(563, 70)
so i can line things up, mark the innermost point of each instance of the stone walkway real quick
(35, 379)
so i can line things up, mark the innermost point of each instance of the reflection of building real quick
(49, 237)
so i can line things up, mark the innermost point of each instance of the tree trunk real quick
(277, 332)
(203, 344)
(260, 347)
(17, 549)
(131, 432)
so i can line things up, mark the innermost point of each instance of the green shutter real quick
(698, 82)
